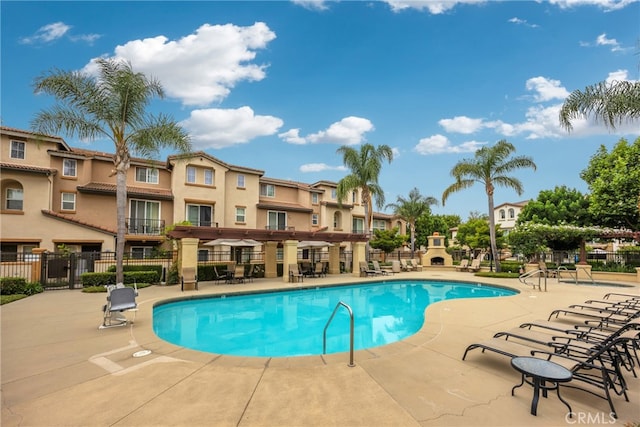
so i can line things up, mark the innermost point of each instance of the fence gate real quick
(58, 270)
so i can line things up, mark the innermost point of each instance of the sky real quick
(281, 85)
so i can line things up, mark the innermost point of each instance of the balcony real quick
(143, 226)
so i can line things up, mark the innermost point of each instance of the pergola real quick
(190, 238)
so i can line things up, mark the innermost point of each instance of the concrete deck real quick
(59, 369)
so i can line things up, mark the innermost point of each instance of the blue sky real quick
(279, 86)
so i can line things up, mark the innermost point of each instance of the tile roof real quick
(102, 187)
(28, 168)
(284, 206)
(73, 220)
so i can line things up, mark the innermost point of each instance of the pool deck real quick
(59, 369)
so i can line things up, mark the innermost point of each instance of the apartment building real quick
(54, 195)
(506, 215)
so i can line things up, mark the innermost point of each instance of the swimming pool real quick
(291, 323)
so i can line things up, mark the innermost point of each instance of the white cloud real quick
(432, 6)
(602, 40)
(439, 144)
(461, 124)
(607, 5)
(518, 21)
(203, 67)
(348, 131)
(618, 76)
(48, 33)
(312, 4)
(219, 128)
(546, 89)
(319, 167)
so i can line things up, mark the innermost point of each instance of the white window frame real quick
(334, 194)
(354, 225)
(150, 175)
(72, 202)
(501, 215)
(315, 219)
(267, 190)
(9, 198)
(18, 150)
(315, 198)
(70, 167)
(191, 175)
(512, 213)
(208, 177)
(199, 206)
(379, 224)
(278, 214)
(240, 181)
(146, 253)
(241, 214)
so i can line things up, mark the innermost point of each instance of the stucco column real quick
(270, 259)
(334, 259)
(289, 256)
(358, 256)
(36, 266)
(189, 255)
(638, 274)
(583, 272)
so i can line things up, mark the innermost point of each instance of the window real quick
(147, 175)
(512, 213)
(267, 190)
(358, 225)
(502, 214)
(314, 198)
(379, 224)
(334, 193)
(200, 215)
(145, 217)
(241, 215)
(17, 149)
(141, 252)
(68, 202)
(240, 181)
(208, 177)
(354, 197)
(14, 199)
(191, 175)
(69, 167)
(337, 220)
(203, 255)
(314, 219)
(276, 220)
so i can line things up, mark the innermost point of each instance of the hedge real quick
(130, 277)
(18, 285)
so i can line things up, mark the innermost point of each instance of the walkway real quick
(59, 369)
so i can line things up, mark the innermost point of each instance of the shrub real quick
(510, 266)
(18, 285)
(130, 277)
(130, 268)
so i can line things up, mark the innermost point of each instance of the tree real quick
(427, 224)
(411, 209)
(614, 181)
(475, 234)
(111, 105)
(611, 103)
(387, 240)
(489, 167)
(558, 206)
(365, 166)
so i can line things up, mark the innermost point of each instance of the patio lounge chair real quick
(463, 266)
(415, 263)
(365, 270)
(377, 269)
(119, 299)
(189, 278)
(405, 265)
(475, 265)
(294, 274)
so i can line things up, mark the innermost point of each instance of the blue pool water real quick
(291, 323)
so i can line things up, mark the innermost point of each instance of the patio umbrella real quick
(312, 244)
(233, 242)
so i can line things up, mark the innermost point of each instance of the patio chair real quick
(294, 274)
(377, 269)
(415, 263)
(597, 315)
(119, 299)
(475, 265)
(463, 266)
(365, 270)
(217, 277)
(405, 266)
(238, 274)
(319, 270)
(189, 278)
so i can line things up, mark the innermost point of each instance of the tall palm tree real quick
(411, 209)
(365, 166)
(612, 103)
(489, 167)
(111, 105)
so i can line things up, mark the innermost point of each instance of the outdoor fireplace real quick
(436, 253)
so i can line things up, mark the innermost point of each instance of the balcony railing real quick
(148, 227)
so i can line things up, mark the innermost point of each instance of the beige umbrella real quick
(233, 242)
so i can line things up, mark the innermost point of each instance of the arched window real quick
(12, 195)
(337, 221)
(502, 217)
(512, 213)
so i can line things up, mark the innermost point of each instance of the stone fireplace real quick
(436, 254)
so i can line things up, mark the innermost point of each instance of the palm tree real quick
(610, 102)
(111, 105)
(365, 166)
(489, 167)
(411, 209)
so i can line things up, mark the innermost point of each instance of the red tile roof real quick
(28, 168)
(73, 220)
(102, 187)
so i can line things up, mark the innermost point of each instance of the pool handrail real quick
(351, 329)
